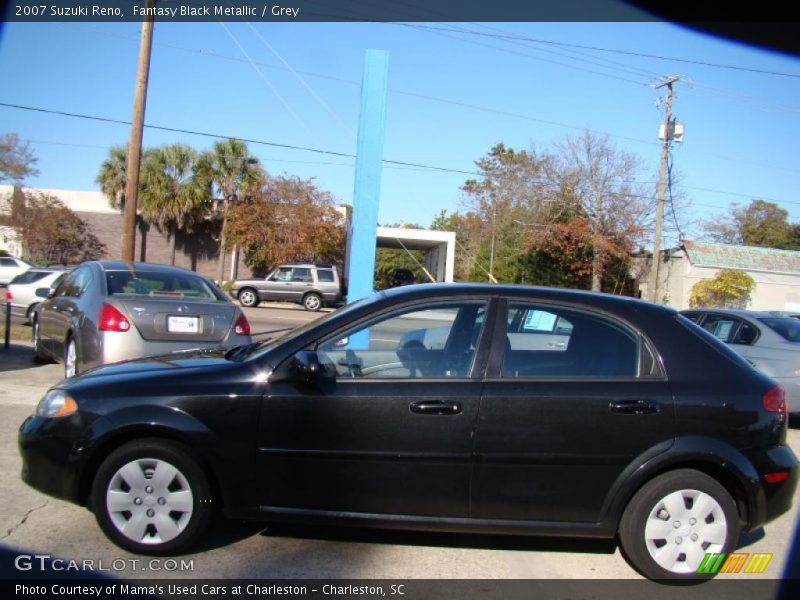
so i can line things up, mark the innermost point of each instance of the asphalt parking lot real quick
(32, 523)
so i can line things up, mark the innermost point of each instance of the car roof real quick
(121, 265)
(596, 299)
(738, 312)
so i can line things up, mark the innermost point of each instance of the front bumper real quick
(53, 454)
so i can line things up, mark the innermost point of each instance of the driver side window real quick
(415, 343)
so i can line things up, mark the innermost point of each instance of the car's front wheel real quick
(248, 297)
(70, 358)
(674, 521)
(152, 497)
(39, 355)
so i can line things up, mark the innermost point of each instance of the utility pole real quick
(135, 144)
(662, 185)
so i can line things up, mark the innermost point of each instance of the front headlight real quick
(56, 403)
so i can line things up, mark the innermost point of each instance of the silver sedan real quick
(108, 311)
(770, 341)
(22, 289)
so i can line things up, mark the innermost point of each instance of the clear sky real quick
(742, 127)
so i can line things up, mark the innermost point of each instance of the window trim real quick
(496, 373)
(482, 348)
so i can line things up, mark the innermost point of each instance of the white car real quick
(22, 289)
(10, 267)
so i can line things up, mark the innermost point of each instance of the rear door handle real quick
(634, 407)
(435, 407)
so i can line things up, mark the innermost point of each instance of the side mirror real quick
(306, 368)
(44, 292)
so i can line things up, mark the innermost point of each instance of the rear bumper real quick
(773, 499)
(115, 346)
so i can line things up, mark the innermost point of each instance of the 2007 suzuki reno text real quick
(466, 408)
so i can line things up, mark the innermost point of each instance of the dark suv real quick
(312, 285)
(460, 408)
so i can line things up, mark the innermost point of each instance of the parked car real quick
(645, 428)
(107, 311)
(308, 284)
(770, 341)
(10, 267)
(22, 289)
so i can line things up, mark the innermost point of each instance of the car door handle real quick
(435, 407)
(634, 407)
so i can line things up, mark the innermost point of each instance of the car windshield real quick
(786, 327)
(159, 284)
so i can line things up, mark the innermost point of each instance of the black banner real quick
(166, 11)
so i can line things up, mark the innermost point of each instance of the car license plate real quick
(183, 324)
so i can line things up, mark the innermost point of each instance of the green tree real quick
(230, 170)
(173, 197)
(729, 289)
(288, 219)
(51, 233)
(760, 223)
(16, 159)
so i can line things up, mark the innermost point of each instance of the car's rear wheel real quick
(248, 297)
(70, 358)
(152, 497)
(312, 302)
(674, 521)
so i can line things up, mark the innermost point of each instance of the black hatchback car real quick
(465, 408)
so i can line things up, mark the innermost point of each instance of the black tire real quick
(249, 297)
(145, 454)
(39, 355)
(29, 312)
(688, 541)
(312, 302)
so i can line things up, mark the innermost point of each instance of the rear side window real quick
(545, 341)
(786, 327)
(159, 285)
(325, 275)
(30, 277)
(7, 262)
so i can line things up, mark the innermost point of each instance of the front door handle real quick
(435, 407)
(634, 407)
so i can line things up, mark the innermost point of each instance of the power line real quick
(476, 107)
(600, 49)
(220, 136)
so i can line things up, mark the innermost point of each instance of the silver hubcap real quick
(682, 527)
(70, 360)
(149, 501)
(312, 303)
(247, 298)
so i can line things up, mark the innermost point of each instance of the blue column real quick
(366, 195)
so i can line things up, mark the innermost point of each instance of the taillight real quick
(242, 327)
(111, 319)
(776, 477)
(9, 295)
(775, 400)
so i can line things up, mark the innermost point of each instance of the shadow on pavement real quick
(17, 356)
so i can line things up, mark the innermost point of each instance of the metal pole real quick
(135, 144)
(7, 343)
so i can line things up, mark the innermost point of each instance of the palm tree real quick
(113, 176)
(232, 171)
(173, 197)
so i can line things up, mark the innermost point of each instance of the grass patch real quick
(19, 333)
